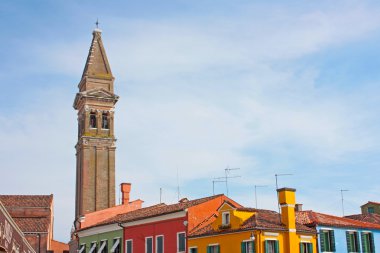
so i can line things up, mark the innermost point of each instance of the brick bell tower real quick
(95, 149)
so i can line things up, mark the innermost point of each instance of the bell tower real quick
(95, 149)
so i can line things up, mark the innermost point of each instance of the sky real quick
(269, 87)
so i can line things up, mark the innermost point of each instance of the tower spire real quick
(95, 149)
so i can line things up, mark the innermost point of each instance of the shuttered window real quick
(368, 244)
(352, 238)
(213, 249)
(248, 247)
(306, 247)
(271, 246)
(327, 240)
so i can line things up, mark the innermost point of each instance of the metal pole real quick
(341, 193)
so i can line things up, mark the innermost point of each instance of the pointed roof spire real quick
(97, 65)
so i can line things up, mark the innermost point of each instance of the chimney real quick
(298, 207)
(125, 190)
(287, 201)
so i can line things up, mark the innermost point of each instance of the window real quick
(116, 246)
(368, 245)
(226, 218)
(248, 247)
(103, 247)
(193, 250)
(352, 241)
(181, 242)
(371, 209)
(271, 246)
(213, 249)
(93, 248)
(148, 245)
(160, 244)
(105, 124)
(128, 246)
(327, 240)
(92, 120)
(306, 247)
(82, 248)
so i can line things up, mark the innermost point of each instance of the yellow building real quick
(249, 230)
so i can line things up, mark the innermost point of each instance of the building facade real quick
(95, 149)
(371, 207)
(339, 234)
(249, 230)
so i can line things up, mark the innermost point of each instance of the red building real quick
(164, 228)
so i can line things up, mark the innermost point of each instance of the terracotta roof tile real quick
(261, 219)
(29, 225)
(370, 217)
(311, 218)
(371, 202)
(26, 200)
(153, 211)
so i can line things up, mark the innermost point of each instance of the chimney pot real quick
(125, 190)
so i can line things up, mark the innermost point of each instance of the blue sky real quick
(266, 86)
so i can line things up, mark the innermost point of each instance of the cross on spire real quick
(97, 23)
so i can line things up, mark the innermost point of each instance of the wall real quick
(375, 206)
(167, 228)
(340, 238)
(102, 236)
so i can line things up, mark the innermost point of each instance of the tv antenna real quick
(216, 180)
(278, 200)
(341, 194)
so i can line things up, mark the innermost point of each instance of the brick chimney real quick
(287, 201)
(125, 190)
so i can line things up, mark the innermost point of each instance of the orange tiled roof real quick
(370, 217)
(26, 200)
(260, 220)
(154, 211)
(311, 218)
(371, 202)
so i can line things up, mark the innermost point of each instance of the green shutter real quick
(364, 243)
(266, 246)
(371, 239)
(332, 238)
(349, 242)
(243, 247)
(253, 246)
(276, 248)
(310, 247)
(218, 248)
(208, 249)
(322, 240)
(301, 247)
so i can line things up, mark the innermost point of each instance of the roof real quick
(97, 65)
(311, 218)
(261, 219)
(371, 202)
(32, 225)
(26, 200)
(370, 217)
(32, 213)
(153, 211)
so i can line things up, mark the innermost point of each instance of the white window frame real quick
(112, 248)
(82, 248)
(224, 221)
(146, 240)
(94, 243)
(213, 244)
(163, 241)
(183, 232)
(101, 247)
(126, 245)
